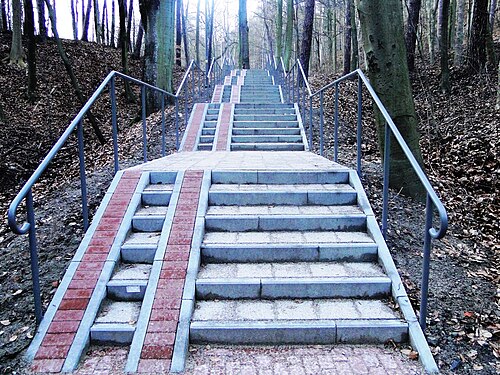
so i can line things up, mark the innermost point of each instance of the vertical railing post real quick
(310, 122)
(321, 124)
(177, 123)
(385, 192)
(359, 125)
(35, 273)
(144, 125)
(163, 140)
(298, 99)
(185, 109)
(293, 85)
(426, 263)
(83, 177)
(336, 126)
(114, 126)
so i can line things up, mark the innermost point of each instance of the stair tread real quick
(269, 210)
(118, 312)
(290, 270)
(159, 188)
(132, 272)
(142, 238)
(279, 188)
(292, 310)
(152, 211)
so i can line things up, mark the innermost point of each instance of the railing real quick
(193, 86)
(298, 91)
(216, 73)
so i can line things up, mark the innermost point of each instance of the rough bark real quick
(305, 49)
(138, 42)
(243, 35)
(178, 32)
(347, 37)
(459, 38)
(383, 40)
(451, 22)
(149, 16)
(71, 74)
(29, 21)
(74, 19)
(42, 26)
(431, 26)
(288, 33)
(279, 28)
(444, 8)
(414, 7)
(16, 49)
(104, 24)
(476, 48)
(497, 106)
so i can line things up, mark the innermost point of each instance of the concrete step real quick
(129, 282)
(210, 124)
(205, 147)
(262, 106)
(211, 117)
(274, 118)
(267, 147)
(206, 139)
(140, 247)
(115, 323)
(157, 195)
(208, 131)
(309, 178)
(293, 252)
(266, 131)
(316, 321)
(270, 138)
(259, 100)
(149, 218)
(266, 124)
(256, 111)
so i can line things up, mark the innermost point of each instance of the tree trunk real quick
(347, 37)
(74, 19)
(97, 26)
(138, 42)
(184, 34)
(452, 22)
(431, 32)
(124, 47)
(3, 16)
(29, 21)
(414, 7)
(335, 40)
(329, 33)
(476, 49)
(2, 114)
(279, 29)
(129, 22)
(354, 39)
(85, 35)
(444, 9)
(104, 24)
(305, 49)
(42, 26)
(16, 50)
(197, 33)
(71, 74)
(459, 38)
(269, 36)
(296, 32)
(243, 33)
(497, 106)
(383, 40)
(209, 31)
(493, 8)
(113, 25)
(288, 33)
(178, 32)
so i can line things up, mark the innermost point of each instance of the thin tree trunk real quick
(414, 7)
(3, 15)
(85, 35)
(209, 29)
(347, 37)
(269, 36)
(197, 33)
(497, 106)
(29, 21)
(129, 22)
(476, 49)
(279, 29)
(42, 26)
(71, 74)
(452, 22)
(288, 33)
(493, 8)
(104, 24)
(124, 47)
(16, 50)
(444, 9)
(335, 40)
(305, 49)
(431, 32)
(297, 34)
(184, 34)
(329, 32)
(166, 53)
(383, 31)
(74, 19)
(113, 24)
(354, 39)
(97, 26)
(459, 38)
(150, 18)
(178, 32)
(243, 32)
(138, 42)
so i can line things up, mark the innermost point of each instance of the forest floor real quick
(460, 145)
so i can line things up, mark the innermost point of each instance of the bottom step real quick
(299, 332)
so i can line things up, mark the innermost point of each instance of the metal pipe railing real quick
(193, 73)
(294, 80)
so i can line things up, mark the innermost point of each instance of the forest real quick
(54, 54)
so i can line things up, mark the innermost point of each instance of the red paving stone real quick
(235, 94)
(225, 121)
(196, 122)
(217, 96)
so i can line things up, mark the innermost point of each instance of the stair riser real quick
(267, 147)
(281, 198)
(205, 147)
(290, 253)
(266, 139)
(233, 223)
(144, 254)
(147, 224)
(265, 124)
(156, 198)
(285, 111)
(108, 336)
(126, 292)
(291, 289)
(264, 131)
(277, 178)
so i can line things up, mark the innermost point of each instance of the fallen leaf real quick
(5, 322)
(13, 338)
(17, 292)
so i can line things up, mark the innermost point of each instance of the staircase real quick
(243, 237)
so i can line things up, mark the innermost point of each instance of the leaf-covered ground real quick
(460, 140)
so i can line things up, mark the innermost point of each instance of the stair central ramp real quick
(243, 237)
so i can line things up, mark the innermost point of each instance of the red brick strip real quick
(235, 93)
(241, 80)
(243, 73)
(227, 80)
(61, 333)
(225, 121)
(194, 127)
(158, 345)
(217, 97)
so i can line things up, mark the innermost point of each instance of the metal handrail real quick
(26, 192)
(291, 80)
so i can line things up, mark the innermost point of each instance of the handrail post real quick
(359, 125)
(144, 125)
(321, 124)
(425, 263)
(185, 109)
(310, 122)
(385, 192)
(163, 151)
(336, 126)
(83, 178)
(177, 123)
(35, 273)
(112, 93)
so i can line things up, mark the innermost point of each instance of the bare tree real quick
(288, 32)
(444, 8)
(16, 50)
(476, 49)
(197, 33)
(347, 37)
(74, 18)
(184, 33)
(305, 49)
(178, 32)
(97, 25)
(244, 59)
(3, 16)
(29, 21)
(85, 34)
(42, 27)
(459, 38)
(411, 31)
(279, 29)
